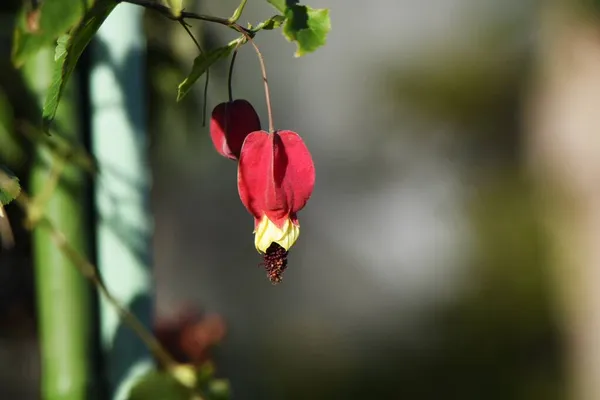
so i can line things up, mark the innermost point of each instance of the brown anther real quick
(275, 262)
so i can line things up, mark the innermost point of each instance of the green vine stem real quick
(63, 295)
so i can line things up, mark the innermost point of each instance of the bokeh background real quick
(434, 256)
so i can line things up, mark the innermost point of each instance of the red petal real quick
(230, 123)
(276, 175)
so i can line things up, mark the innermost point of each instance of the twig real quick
(166, 11)
(191, 35)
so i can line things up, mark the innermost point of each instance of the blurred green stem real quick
(62, 293)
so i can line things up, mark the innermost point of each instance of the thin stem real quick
(264, 76)
(230, 78)
(166, 11)
(189, 32)
(205, 95)
(135, 324)
(89, 271)
(205, 98)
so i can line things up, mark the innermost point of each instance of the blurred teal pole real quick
(62, 293)
(124, 226)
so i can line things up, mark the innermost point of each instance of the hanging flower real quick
(276, 177)
(230, 123)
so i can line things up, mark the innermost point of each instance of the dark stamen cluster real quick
(275, 262)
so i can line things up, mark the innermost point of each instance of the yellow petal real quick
(267, 232)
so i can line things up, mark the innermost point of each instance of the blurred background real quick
(450, 248)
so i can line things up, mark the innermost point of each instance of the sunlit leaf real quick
(238, 11)
(69, 49)
(272, 23)
(201, 65)
(39, 28)
(282, 5)
(307, 27)
(61, 47)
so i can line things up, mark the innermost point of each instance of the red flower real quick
(230, 123)
(276, 177)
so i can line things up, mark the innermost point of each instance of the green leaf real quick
(61, 47)
(272, 23)
(238, 11)
(201, 64)
(68, 50)
(282, 5)
(159, 386)
(39, 28)
(306, 26)
(9, 186)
